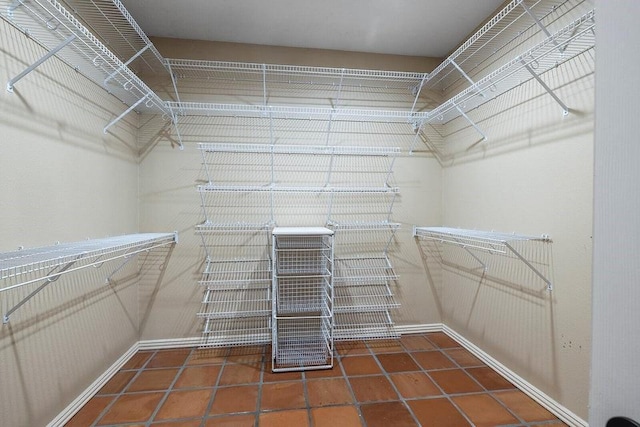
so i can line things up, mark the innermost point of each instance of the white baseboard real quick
(533, 392)
(77, 404)
(554, 407)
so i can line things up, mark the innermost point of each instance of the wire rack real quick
(302, 343)
(224, 304)
(368, 325)
(475, 242)
(237, 274)
(50, 24)
(363, 270)
(236, 332)
(306, 294)
(363, 298)
(303, 256)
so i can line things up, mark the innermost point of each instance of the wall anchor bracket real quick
(565, 109)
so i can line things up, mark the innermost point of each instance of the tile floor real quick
(418, 380)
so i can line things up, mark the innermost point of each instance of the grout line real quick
(263, 367)
(345, 376)
(121, 392)
(214, 392)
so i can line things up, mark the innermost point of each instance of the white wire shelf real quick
(369, 325)
(494, 243)
(363, 270)
(51, 25)
(302, 343)
(298, 149)
(363, 298)
(112, 23)
(364, 225)
(232, 227)
(569, 42)
(237, 273)
(47, 264)
(293, 112)
(231, 303)
(236, 332)
(518, 23)
(292, 189)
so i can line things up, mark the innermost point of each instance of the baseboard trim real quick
(419, 328)
(169, 343)
(77, 404)
(533, 392)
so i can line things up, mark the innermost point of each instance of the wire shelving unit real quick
(302, 292)
(477, 242)
(46, 265)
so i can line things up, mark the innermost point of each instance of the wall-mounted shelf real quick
(474, 241)
(47, 264)
(61, 34)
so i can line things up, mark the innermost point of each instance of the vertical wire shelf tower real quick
(302, 307)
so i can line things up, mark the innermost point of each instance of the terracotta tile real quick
(268, 376)
(437, 413)
(351, 348)
(484, 411)
(372, 389)
(208, 356)
(397, 362)
(414, 384)
(523, 406)
(385, 346)
(131, 408)
(360, 365)
(169, 358)
(232, 421)
(336, 416)
(282, 395)
(433, 360)
(89, 412)
(138, 360)
(246, 355)
(297, 418)
(490, 379)
(230, 400)
(441, 340)
(331, 391)
(117, 383)
(151, 380)
(387, 414)
(185, 404)
(185, 423)
(463, 357)
(336, 371)
(455, 381)
(416, 343)
(239, 374)
(198, 376)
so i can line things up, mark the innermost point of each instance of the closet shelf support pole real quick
(126, 64)
(47, 281)
(472, 123)
(124, 113)
(466, 76)
(528, 264)
(565, 109)
(540, 24)
(36, 64)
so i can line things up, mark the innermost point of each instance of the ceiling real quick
(404, 27)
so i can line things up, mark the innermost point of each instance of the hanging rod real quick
(298, 149)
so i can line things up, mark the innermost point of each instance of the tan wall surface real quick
(61, 179)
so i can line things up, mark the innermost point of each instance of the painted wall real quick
(61, 179)
(615, 390)
(533, 176)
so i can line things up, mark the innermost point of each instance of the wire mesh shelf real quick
(368, 325)
(307, 294)
(494, 243)
(363, 270)
(220, 303)
(51, 25)
(288, 189)
(237, 273)
(236, 331)
(298, 149)
(363, 298)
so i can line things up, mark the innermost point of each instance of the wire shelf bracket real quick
(483, 241)
(54, 261)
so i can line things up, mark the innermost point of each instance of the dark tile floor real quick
(418, 380)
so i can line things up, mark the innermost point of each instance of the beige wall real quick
(61, 179)
(533, 176)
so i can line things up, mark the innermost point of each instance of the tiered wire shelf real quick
(476, 242)
(302, 308)
(46, 265)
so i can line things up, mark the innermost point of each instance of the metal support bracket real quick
(528, 264)
(125, 112)
(36, 64)
(417, 89)
(472, 123)
(565, 109)
(466, 76)
(51, 277)
(13, 6)
(126, 64)
(127, 258)
(540, 25)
